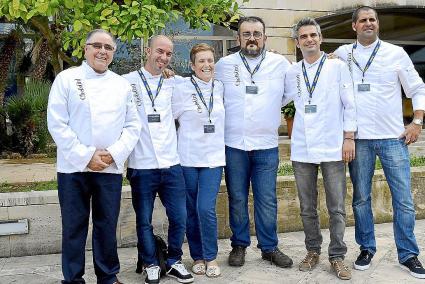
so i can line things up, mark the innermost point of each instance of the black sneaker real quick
(363, 260)
(237, 256)
(179, 271)
(153, 273)
(277, 257)
(415, 267)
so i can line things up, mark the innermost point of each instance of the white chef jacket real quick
(196, 148)
(318, 137)
(252, 120)
(157, 145)
(89, 111)
(379, 111)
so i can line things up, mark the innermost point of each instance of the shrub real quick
(28, 116)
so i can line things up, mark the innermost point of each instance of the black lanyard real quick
(245, 62)
(311, 88)
(369, 62)
(148, 89)
(211, 102)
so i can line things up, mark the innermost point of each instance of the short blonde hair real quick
(199, 48)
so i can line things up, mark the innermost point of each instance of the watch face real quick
(418, 121)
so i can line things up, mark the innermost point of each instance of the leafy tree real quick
(64, 23)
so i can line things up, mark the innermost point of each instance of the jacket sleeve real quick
(122, 148)
(67, 142)
(346, 91)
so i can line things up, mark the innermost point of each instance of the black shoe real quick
(237, 256)
(153, 274)
(139, 267)
(277, 257)
(179, 271)
(363, 260)
(415, 267)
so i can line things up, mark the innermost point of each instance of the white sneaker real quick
(153, 273)
(179, 271)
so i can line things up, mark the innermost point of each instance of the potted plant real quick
(288, 112)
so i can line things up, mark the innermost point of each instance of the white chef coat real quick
(89, 111)
(379, 111)
(157, 145)
(318, 137)
(252, 120)
(196, 148)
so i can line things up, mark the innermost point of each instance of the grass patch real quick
(30, 161)
(35, 186)
(285, 169)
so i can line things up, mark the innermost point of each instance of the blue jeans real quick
(76, 191)
(260, 168)
(394, 157)
(169, 184)
(202, 186)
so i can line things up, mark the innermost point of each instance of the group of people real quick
(348, 109)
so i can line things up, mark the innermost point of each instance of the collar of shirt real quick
(90, 73)
(308, 65)
(253, 61)
(148, 75)
(202, 84)
(367, 47)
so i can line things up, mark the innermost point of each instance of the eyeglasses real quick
(99, 45)
(256, 35)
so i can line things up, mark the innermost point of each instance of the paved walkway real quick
(46, 269)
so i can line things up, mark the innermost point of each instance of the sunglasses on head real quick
(99, 45)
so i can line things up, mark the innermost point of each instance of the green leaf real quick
(77, 25)
(106, 12)
(31, 14)
(15, 5)
(69, 4)
(85, 22)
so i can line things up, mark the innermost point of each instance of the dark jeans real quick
(335, 189)
(258, 167)
(169, 184)
(76, 190)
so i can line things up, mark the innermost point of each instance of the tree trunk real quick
(6, 57)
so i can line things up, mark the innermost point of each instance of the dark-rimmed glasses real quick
(248, 35)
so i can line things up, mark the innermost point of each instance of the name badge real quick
(251, 90)
(154, 118)
(363, 87)
(209, 128)
(310, 108)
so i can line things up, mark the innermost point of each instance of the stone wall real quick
(43, 214)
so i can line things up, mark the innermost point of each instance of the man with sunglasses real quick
(94, 123)
(254, 85)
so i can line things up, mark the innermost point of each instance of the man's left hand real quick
(107, 157)
(348, 150)
(411, 134)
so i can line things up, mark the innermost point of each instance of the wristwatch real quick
(418, 121)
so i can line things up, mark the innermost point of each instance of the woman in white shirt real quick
(198, 107)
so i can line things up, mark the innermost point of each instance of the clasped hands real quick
(100, 160)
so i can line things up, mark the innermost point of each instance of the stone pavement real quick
(46, 269)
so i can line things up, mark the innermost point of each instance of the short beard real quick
(252, 53)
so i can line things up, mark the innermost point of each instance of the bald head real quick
(158, 54)
(162, 38)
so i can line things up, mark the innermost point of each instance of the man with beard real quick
(154, 166)
(253, 80)
(379, 70)
(93, 121)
